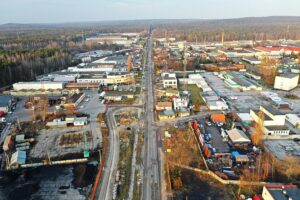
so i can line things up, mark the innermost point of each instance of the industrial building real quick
(241, 82)
(286, 82)
(113, 78)
(74, 100)
(38, 86)
(281, 192)
(273, 122)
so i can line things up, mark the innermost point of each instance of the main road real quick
(151, 178)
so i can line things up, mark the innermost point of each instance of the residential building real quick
(169, 82)
(166, 115)
(180, 102)
(286, 82)
(163, 106)
(183, 112)
(281, 192)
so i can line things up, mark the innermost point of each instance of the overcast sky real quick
(53, 11)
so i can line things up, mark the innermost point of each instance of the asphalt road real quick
(105, 188)
(151, 178)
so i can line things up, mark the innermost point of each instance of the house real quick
(274, 120)
(181, 102)
(281, 192)
(238, 138)
(163, 106)
(166, 115)
(286, 82)
(183, 112)
(169, 82)
(5, 103)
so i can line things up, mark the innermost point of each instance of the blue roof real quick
(235, 153)
(21, 157)
(169, 112)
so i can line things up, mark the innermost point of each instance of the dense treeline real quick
(258, 29)
(23, 65)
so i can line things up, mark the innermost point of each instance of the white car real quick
(87, 100)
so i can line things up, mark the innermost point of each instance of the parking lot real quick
(216, 139)
(245, 101)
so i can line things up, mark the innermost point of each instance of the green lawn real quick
(195, 93)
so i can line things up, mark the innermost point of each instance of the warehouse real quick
(38, 86)
(5, 103)
(286, 82)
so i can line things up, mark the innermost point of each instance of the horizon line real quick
(140, 19)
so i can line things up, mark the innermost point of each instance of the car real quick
(208, 123)
(296, 139)
(87, 100)
(219, 124)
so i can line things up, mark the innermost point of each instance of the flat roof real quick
(289, 75)
(278, 192)
(4, 100)
(274, 128)
(272, 110)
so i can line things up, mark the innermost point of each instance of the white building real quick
(286, 82)
(169, 82)
(216, 105)
(294, 120)
(179, 103)
(274, 121)
(38, 86)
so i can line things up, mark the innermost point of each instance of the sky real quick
(58, 11)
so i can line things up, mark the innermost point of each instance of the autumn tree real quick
(197, 105)
(289, 167)
(129, 63)
(258, 134)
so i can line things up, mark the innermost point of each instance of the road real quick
(105, 188)
(151, 178)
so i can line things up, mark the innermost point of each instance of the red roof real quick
(287, 48)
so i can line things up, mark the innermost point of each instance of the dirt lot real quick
(48, 141)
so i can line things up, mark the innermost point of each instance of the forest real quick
(257, 29)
